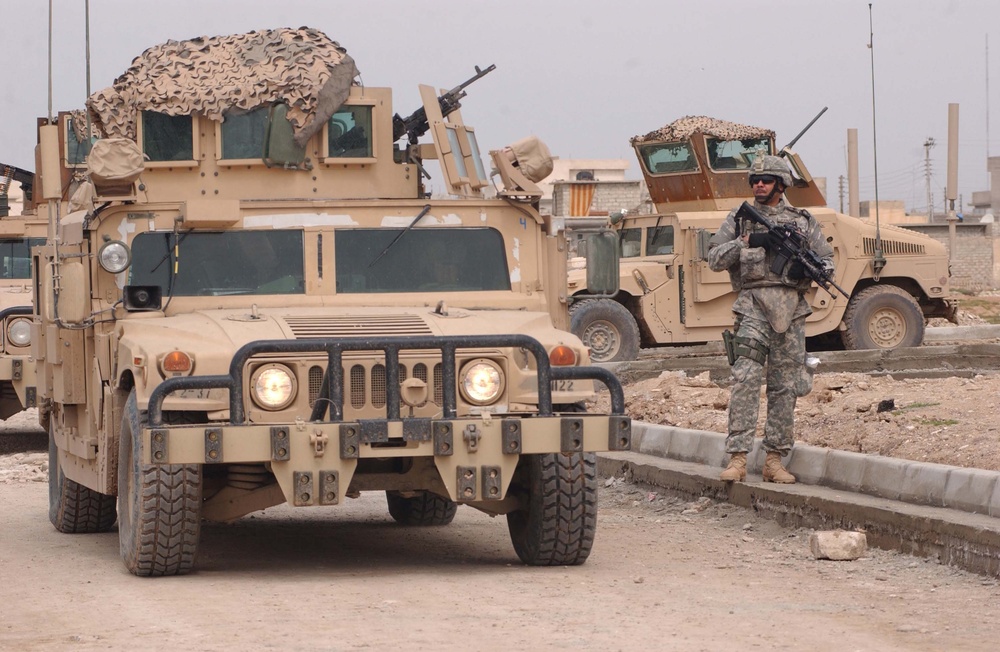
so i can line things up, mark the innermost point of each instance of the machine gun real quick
(9, 173)
(784, 150)
(791, 245)
(415, 125)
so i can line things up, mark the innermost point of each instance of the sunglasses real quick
(766, 179)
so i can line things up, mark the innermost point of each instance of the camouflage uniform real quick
(770, 316)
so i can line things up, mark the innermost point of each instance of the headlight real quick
(114, 256)
(19, 332)
(273, 386)
(482, 382)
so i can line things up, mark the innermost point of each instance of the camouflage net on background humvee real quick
(210, 76)
(684, 128)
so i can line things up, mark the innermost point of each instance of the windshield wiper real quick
(426, 209)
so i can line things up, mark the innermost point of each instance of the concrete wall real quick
(975, 264)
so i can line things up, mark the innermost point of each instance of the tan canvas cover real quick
(211, 76)
(533, 158)
(684, 128)
(114, 161)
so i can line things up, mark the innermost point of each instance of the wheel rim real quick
(887, 328)
(603, 340)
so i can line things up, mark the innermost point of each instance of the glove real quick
(796, 271)
(760, 240)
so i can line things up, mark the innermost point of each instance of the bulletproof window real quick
(15, 257)
(659, 240)
(219, 263)
(243, 134)
(167, 137)
(664, 158)
(735, 154)
(349, 133)
(77, 148)
(630, 243)
(455, 259)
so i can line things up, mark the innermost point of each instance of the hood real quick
(213, 336)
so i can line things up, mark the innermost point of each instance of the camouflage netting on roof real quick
(210, 76)
(684, 128)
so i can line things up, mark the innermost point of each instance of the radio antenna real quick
(878, 262)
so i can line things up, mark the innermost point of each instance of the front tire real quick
(607, 328)
(424, 509)
(159, 506)
(558, 519)
(882, 317)
(74, 508)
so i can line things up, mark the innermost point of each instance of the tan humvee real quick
(696, 172)
(18, 233)
(268, 309)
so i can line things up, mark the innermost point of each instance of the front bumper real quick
(315, 461)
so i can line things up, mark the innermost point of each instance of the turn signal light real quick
(562, 356)
(177, 362)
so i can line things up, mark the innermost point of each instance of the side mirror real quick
(602, 263)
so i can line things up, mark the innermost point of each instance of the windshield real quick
(429, 259)
(15, 257)
(735, 154)
(208, 263)
(661, 158)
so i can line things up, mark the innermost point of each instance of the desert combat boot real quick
(775, 472)
(737, 469)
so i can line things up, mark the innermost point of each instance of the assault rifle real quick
(415, 125)
(791, 245)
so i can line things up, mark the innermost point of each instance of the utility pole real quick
(928, 144)
(841, 192)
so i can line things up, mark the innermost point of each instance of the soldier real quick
(770, 321)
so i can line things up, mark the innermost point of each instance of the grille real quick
(357, 326)
(365, 386)
(893, 247)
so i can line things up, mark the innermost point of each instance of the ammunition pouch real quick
(744, 347)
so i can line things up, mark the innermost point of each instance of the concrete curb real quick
(956, 538)
(936, 485)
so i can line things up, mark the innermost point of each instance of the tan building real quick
(889, 212)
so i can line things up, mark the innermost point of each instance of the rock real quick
(837, 545)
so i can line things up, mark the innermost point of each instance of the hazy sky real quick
(587, 75)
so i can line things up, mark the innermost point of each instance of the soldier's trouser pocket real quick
(752, 264)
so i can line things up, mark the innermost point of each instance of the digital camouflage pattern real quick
(771, 165)
(771, 311)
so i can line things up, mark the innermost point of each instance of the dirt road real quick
(664, 575)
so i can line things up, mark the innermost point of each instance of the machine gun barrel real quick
(801, 133)
(793, 247)
(415, 125)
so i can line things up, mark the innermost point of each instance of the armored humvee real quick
(18, 233)
(260, 304)
(696, 171)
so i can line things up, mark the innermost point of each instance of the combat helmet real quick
(773, 165)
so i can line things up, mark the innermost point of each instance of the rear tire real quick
(159, 506)
(558, 519)
(424, 509)
(74, 508)
(607, 328)
(882, 317)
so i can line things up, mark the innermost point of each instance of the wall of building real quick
(975, 264)
(609, 196)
